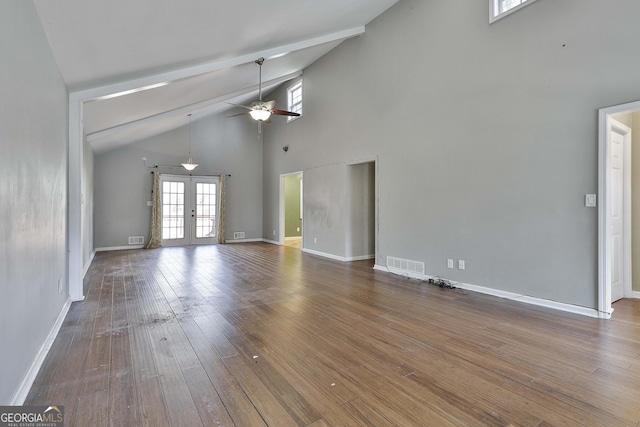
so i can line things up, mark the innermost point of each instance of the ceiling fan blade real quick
(270, 105)
(239, 105)
(284, 113)
(239, 114)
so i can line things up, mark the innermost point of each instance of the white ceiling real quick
(200, 54)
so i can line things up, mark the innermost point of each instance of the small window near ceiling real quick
(502, 8)
(294, 96)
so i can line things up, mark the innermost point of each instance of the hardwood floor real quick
(293, 242)
(262, 335)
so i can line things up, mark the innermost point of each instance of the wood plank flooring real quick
(263, 335)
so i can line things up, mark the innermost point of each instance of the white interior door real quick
(190, 208)
(619, 209)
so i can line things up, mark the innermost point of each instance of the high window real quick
(294, 99)
(502, 8)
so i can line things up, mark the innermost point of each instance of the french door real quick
(190, 206)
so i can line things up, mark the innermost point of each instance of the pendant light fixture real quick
(189, 165)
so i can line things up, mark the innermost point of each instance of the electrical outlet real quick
(461, 264)
(449, 263)
(315, 240)
(298, 229)
(60, 285)
(274, 232)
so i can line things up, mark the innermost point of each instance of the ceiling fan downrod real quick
(260, 61)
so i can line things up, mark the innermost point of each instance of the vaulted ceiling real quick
(176, 57)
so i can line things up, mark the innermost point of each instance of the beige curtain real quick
(221, 219)
(155, 237)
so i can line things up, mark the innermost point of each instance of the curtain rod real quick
(202, 174)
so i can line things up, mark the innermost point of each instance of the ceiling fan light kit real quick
(260, 115)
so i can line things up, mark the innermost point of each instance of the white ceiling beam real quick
(155, 80)
(186, 109)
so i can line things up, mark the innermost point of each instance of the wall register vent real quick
(404, 266)
(136, 240)
(238, 235)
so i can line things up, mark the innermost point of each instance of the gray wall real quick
(123, 184)
(486, 137)
(33, 198)
(325, 209)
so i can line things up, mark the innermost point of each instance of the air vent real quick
(238, 235)
(136, 240)
(403, 266)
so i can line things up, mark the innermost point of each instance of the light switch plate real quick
(590, 200)
(449, 263)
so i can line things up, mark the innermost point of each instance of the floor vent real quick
(136, 240)
(399, 265)
(238, 235)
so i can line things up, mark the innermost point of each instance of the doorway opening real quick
(616, 243)
(190, 209)
(291, 210)
(361, 231)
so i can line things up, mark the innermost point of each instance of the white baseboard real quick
(25, 386)
(570, 308)
(635, 294)
(88, 264)
(360, 258)
(293, 238)
(244, 241)
(336, 257)
(324, 255)
(273, 242)
(119, 248)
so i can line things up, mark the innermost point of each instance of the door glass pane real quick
(205, 210)
(172, 210)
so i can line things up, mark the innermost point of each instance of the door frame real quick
(605, 124)
(281, 219)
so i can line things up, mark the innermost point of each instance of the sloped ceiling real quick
(176, 57)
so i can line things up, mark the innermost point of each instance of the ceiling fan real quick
(261, 111)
